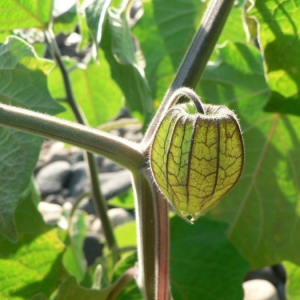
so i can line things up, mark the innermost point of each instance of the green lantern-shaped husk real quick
(197, 156)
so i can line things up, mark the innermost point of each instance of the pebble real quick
(92, 247)
(112, 183)
(259, 289)
(50, 212)
(266, 273)
(78, 182)
(52, 178)
(117, 216)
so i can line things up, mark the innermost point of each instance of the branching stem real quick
(98, 197)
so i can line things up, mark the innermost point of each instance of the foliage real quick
(254, 70)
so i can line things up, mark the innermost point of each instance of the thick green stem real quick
(146, 233)
(123, 152)
(98, 197)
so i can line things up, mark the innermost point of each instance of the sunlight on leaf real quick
(279, 26)
(23, 83)
(262, 208)
(293, 274)
(33, 264)
(25, 14)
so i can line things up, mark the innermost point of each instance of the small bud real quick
(197, 156)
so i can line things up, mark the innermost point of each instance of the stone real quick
(113, 184)
(92, 247)
(79, 181)
(117, 216)
(108, 166)
(259, 289)
(52, 178)
(51, 212)
(87, 205)
(264, 273)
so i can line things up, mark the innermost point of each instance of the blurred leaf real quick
(70, 289)
(170, 26)
(65, 16)
(34, 264)
(131, 291)
(97, 94)
(279, 26)
(39, 296)
(262, 209)
(126, 69)
(23, 80)
(125, 200)
(73, 259)
(23, 83)
(95, 15)
(233, 30)
(198, 253)
(292, 286)
(126, 235)
(25, 14)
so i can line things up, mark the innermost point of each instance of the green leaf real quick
(39, 296)
(262, 208)
(67, 20)
(126, 234)
(23, 83)
(25, 14)
(198, 253)
(126, 69)
(23, 80)
(170, 26)
(73, 259)
(233, 30)
(34, 264)
(95, 15)
(125, 200)
(199, 249)
(70, 289)
(131, 290)
(97, 94)
(292, 286)
(279, 34)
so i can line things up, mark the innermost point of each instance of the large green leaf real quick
(33, 264)
(279, 26)
(73, 259)
(125, 64)
(263, 208)
(23, 83)
(170, 26)
(198, 253)
(25, 14)
(95, 15)
(200, 249)
(97, 94)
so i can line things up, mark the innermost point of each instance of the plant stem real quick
(197, 56)
(188, 75)
(123, 152)
(98, 198)
(146, 233)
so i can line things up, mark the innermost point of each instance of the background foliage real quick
(254, 70)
